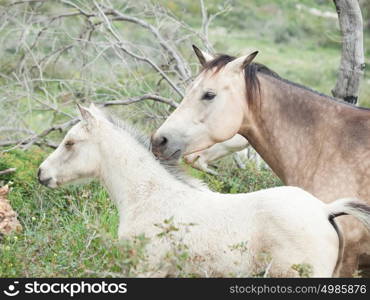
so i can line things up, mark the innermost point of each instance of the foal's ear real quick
(87, 115)
(241, 62)
(95, 110)
(203, 56)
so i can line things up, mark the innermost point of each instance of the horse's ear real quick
(203, 56)
(92, 106)
(241, 62)
(86, 115)
(94, 109)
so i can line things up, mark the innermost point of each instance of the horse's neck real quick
(131, 175)
(291, 128)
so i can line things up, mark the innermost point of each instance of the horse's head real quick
(77, 156)
(212, 110)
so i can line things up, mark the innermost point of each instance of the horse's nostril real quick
(159, 145)
(159, 142)
(163, 141)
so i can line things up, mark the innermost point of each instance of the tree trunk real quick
(352, 62)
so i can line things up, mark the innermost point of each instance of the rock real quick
(8, 217)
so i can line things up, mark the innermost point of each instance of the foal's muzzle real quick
(43, 181)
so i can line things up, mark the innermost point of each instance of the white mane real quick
(172, 167)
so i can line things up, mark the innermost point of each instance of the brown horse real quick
(308, 139)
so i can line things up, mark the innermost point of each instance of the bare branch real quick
(26, 1)
(29, 141)
(7, 171)
(180, 62)
(44, 133)
(121, 46)
(10, 129)
(113, 50)
(205, 25)
(207, 19)
(141, 98)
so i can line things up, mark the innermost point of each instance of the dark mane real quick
(250, 71)
(218, 62)
(252, 83)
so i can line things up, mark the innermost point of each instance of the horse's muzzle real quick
(166, 147)
(159, 145)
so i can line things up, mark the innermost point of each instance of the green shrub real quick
(233, 180)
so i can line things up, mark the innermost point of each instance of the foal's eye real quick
(208, 96)
(69, 144)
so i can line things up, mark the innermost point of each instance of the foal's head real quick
(212, 110)
(78, 155)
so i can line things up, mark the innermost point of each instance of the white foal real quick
(285, 224)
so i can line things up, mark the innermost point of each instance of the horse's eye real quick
(69, 144)
(208, 96)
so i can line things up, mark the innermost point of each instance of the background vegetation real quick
(73, 231)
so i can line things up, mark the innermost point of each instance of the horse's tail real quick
(347, 206)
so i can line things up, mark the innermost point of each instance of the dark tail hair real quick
(347, 206)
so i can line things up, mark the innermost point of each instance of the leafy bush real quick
(233, 180)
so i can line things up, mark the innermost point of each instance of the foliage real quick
(304, 270)
(233, 180)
